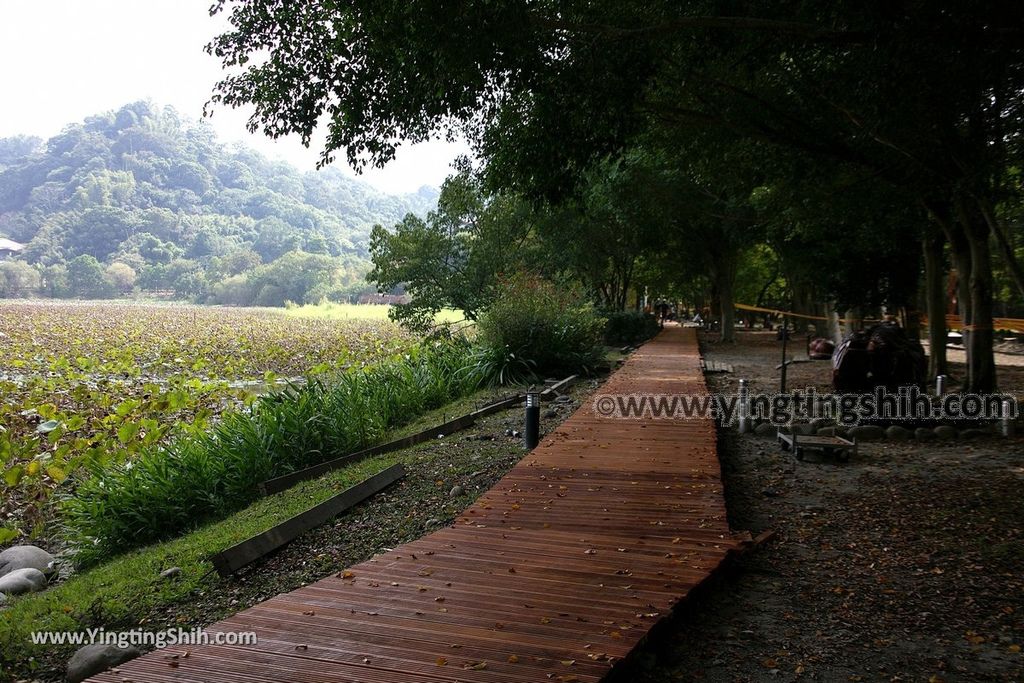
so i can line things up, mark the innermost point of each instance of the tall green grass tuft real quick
(203, 476)
(536, 328)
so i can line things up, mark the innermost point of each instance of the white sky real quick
(63, 60)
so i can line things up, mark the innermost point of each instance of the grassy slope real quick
(114, 594)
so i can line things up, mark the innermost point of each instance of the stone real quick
(867, 433)
(802, 429)
(550, 413)
(971, 433)
(97, 658)
(945, 432)
(765, 429)
(457, 491)
(26, 556)
(172, 573)
(563, 399)
(924, 434)
(897, 433)
(432, 522)
(27, 580)
(3, 599)
(827, 431)
(822, 422)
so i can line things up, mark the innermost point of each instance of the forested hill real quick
(154, 191)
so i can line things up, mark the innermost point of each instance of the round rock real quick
(897, 433)
(457, 491)
(945, 432)
(827, 431)
(765, 429)
(867, 433)
(972, 434)
(924, 434)
(24, 557)
(172, 573)
(97, 658)
(27, 580)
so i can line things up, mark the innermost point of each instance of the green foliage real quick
(156, 192)
(87, 385)
(629, 327)
(537, 328)
(453, 258)
(205, 474)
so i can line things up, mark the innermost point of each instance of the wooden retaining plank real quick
(239, 555)
(556, 573)
(286, 481)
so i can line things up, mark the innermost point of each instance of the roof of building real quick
(10, 245)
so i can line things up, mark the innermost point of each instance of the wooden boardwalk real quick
(555, 574)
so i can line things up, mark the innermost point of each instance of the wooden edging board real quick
(237, 556)
(286, 481)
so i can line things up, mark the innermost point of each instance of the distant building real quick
(10, 247)
(385, 299)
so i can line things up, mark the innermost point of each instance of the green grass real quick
(335, 311)
(170, 488)
(116, 594)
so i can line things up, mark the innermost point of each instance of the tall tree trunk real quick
(1005, 244)
(981, 365)
(935, 302)
(835, 333)
(725, 297)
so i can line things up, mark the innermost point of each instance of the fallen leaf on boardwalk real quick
(568, 662)
(474, 666)
(441, 661)
(302, 647)
(545, 620)
(347, 574)
(512, 659)
(309, 613)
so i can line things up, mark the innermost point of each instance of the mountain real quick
(147, 188)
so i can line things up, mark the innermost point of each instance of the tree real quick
(86, 278)
(121, 277)
(927, 96)
(18, 280)
(454, 257)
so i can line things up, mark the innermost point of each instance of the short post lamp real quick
(744, 407)
(531, 433)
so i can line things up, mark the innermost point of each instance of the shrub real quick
(202, 476)
(537, 328)
(629, 327)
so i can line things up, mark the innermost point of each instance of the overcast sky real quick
(63, 60)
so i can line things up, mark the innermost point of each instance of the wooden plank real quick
(498, 406)
(286, 481)
(551, 393)
(237, 556)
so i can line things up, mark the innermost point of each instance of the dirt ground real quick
(905, 564)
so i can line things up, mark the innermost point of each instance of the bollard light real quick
(531, 433)
(1007, 423)
(744, 407)
(940, 385)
